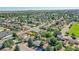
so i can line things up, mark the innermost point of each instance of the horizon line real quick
(36, 8)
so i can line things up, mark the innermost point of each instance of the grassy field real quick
(74, 29)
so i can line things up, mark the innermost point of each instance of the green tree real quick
(37, 37)
(58, 46)
(56, 32)
(8, 43)
(73, 36)
(30, 42)
(48, 34)
(16, 48)
(42, 43)
(43, 33)
(76, 49)
(49, 48)
(14, 35)
(53, 41)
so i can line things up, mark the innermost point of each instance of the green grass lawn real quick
(74, 29)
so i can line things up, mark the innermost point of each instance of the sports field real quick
(74, 29)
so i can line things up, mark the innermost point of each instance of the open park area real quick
(74, 30)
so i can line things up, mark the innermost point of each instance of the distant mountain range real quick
(35, 8)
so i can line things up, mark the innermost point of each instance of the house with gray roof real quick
(37, 43)
(36, 30)
(5, 35)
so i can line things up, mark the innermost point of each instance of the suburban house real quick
(37, 43)
(6, 35)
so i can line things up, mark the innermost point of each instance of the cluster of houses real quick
(25, 32)
(10, 23)
(68, 39)
(5, 36)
